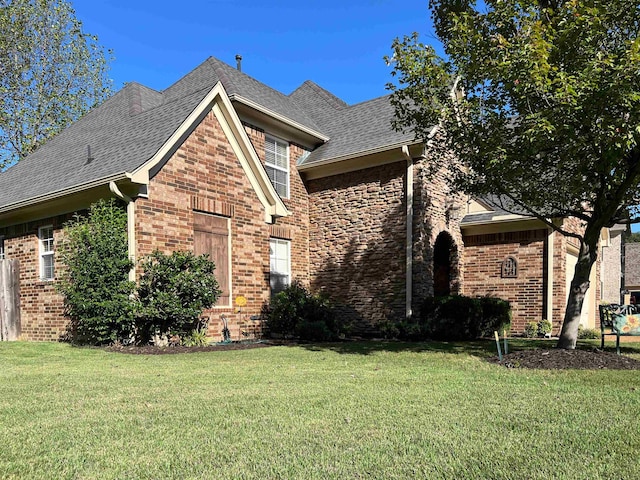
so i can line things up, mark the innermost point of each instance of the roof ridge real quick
(333, 100)
(370, 100)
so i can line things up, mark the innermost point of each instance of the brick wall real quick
(357, 242)
(41, 307)
(483, 257)
(204, 173)
(296, 226)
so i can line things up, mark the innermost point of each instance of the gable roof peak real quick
(142, 98)
(309, 87)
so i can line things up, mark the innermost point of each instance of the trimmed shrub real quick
(453, 318)
(496, 316)
(174, 290)
(296, 312)
(588, 333)
(531, 330)
(95, 281)
(545, 327)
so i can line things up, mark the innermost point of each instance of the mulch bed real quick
(545, 359)
(171, 349)
(559, 359)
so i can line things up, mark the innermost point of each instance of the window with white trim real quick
(277, 164)
(280, 264)
(45, 235)
(1, 247)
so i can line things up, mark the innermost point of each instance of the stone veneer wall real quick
(41, 307)
(357, 243)
(436, 210)
(205, 174)
(483, 257)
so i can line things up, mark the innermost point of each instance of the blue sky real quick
(338, 44)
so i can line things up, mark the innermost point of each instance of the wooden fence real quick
(9, 300)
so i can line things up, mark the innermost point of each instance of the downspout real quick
(131, 226)
(550, 275)
(409, 223)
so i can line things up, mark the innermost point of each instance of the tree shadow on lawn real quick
(479, 348)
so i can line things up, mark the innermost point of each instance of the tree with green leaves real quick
(540, 99)
(95, 278)
(51, 72)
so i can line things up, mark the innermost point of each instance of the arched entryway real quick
(445, 255)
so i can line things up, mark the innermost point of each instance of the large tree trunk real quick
(579, 286)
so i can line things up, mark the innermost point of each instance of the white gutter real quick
(500, 219)
(131, 226)
(550, 249)
(64, 192)
(277, 116)
(373, 151)
(409, 222)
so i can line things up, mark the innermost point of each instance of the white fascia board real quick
(279, 117)
(351, 156)
(498, 219)
(218, 101)
(65, 191)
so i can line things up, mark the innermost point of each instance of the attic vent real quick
(239, 62)
(89, 156)
(509, 268)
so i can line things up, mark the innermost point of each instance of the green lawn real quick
(357, 410)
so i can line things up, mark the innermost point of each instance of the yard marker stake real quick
(495, 332)
(506, 344)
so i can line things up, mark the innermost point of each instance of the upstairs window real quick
(45, 235)
(277, 164)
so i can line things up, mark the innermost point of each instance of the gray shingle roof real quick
(496, 203)
(238, 83)
(352, 129)
(122, 136)
(131, 126)
(127, 130)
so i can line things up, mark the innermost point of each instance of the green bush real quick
(588, 333)
(95, 278)
(296, 312)
(531, 330)
(545, 327)
(453, 318)
(496, 316)
(174, 290)
(197, 338)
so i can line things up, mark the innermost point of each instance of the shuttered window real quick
(277, 164)
(211, 235)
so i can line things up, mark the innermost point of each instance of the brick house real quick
(276, 187)
(632, 272)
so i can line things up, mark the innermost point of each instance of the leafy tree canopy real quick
(541, 101)
(51, 72)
